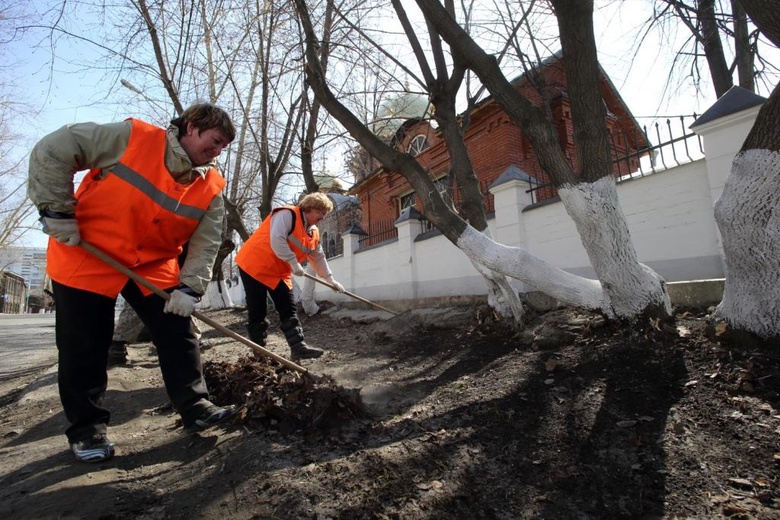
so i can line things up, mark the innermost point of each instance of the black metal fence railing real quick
(378, 232)
(332, 244)
(676, 146)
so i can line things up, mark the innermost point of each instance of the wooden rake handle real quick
(352, 295)
(165, 296)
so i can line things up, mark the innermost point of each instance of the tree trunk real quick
(443, 88)
(633, 288)
(748, 210)
(744, 56)
(713, 47)
(748, 217)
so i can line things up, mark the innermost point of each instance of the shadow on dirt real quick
(573, 441)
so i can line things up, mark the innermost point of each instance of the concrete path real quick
(26, 344)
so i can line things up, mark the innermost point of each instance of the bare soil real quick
(574, 419)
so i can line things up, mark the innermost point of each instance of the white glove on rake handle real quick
(296, 267)
(336, 286)
(181, 303)
(64, 230)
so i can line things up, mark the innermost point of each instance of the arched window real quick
(417, 145)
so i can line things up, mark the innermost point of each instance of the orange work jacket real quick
(258, 260)
(136, 213)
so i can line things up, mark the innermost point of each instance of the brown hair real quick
(318, 201)
(205, 116)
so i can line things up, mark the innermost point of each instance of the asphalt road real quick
(26, 344)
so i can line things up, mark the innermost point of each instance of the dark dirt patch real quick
(271, 397)
(469, 422)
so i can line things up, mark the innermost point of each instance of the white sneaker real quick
(95, 449)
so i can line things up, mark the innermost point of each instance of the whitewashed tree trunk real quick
(630, 286)
(308, 302)
(216, 297)
(501, 296)
(748, 212)
(748, 216)
(626, 288)
(520, 264)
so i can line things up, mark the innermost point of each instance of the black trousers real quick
(257, 300)
(84, 326)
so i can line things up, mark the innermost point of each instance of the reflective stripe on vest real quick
(142, 183)
(257, 259)
(297, 243)
(138, 214)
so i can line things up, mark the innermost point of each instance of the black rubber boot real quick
(117, 354)
(258, 332)
(298, 347)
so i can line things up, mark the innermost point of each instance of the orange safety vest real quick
(138, 214)
(258, 260)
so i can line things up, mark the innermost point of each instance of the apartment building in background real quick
(27, 262)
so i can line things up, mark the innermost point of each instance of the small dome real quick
(394, 112)
(328, 182)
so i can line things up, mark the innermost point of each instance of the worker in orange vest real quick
(148, 191)
(285, 239)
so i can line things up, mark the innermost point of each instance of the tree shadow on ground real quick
(26, 493)
(124, 406)
(589, 444)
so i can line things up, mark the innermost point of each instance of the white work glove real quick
(336, 286)
(181, 302)
(297, 268)
(65, 230)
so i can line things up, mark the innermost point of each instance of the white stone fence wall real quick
(669, 213)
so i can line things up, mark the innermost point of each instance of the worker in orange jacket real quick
(285, 239)
(148, 191)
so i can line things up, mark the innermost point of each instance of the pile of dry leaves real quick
(273, 397)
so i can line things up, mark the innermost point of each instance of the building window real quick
(406, 201)
(417, 145)
(443, 187)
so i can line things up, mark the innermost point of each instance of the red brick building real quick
(495, 144)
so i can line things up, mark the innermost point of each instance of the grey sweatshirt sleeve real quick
(203, 248)
(319, 263)
(56, 158)
(281, 226)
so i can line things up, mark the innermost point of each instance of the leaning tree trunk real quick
(503, 260)
(748, 210)
(632, 287)
(443, 83)
(590, 198)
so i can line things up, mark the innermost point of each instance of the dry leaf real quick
(741, 482)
